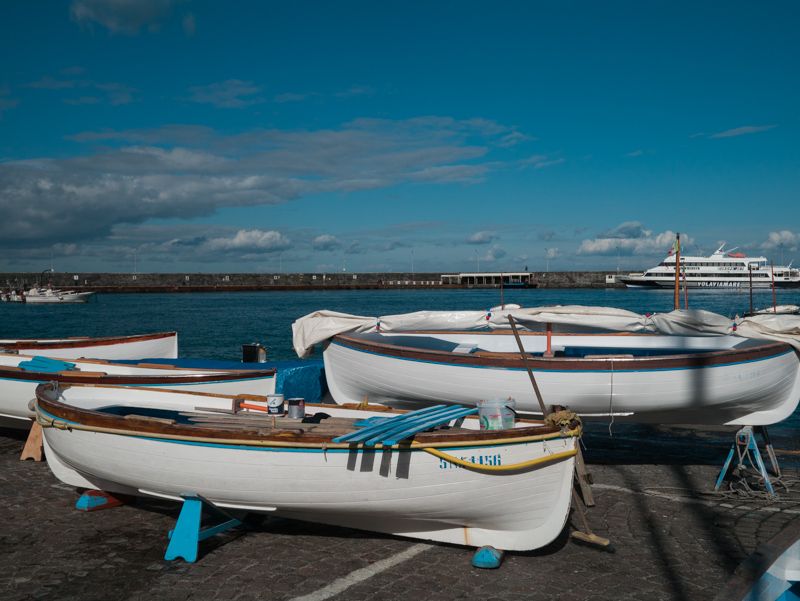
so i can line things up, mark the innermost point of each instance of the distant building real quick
(510, 278)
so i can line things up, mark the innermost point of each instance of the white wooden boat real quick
(141, 346)
(21, 374)
(509, 489)
(624, 376)
(627, 377)
(51, 295)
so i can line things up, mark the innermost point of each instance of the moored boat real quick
(51, 295)
(20, 374)
(723, 269)
(458, 484)
(140, 346)
(776, 310)
(625, 376)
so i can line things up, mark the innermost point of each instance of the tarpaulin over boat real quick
(322, 325)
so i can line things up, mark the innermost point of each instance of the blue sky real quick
(255, 136)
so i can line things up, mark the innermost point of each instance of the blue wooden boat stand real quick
(185, 539)
(743, 445)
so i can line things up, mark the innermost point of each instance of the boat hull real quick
(18, 387)
(59, 298)
(758, 386)
(152, 346)
(402, 491)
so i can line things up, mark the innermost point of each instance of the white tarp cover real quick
(322, 325)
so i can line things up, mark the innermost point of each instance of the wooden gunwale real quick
(613, 362)
(153, 380)
(259, 435)
(81, 342)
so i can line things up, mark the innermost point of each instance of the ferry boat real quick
(721, 270)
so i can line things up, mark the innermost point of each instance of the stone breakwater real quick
(220, 282)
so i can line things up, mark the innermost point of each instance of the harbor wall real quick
(205, 282)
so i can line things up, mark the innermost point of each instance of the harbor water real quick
(215, 325)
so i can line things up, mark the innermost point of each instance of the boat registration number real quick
(479, 459)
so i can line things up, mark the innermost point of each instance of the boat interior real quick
(562, 345)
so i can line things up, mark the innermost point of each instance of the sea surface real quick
(214, 325)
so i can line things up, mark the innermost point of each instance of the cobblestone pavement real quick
(673, 538)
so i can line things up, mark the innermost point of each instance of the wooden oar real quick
(527, 366)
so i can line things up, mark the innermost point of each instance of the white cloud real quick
(327, 242)
(552, 253)
(790, 241)
(185, 172)
(122, 16)
(644, 244)
(747, 129)
(548, 163)
(231, 93)
(482, 238)
(635, 153)
(254, 240)
(288, 97)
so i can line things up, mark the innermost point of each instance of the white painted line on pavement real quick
(354, 578)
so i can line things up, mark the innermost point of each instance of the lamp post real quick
(479, 260)
(617, 259)
(51, 259)
(344, 261)
(547, 260)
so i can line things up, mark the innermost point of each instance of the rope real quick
(501, 468)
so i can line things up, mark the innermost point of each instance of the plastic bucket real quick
(496, 414)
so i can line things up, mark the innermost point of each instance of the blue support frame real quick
(746, 441)
(185, 538)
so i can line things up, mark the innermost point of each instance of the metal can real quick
(275, 404)
(297, 408)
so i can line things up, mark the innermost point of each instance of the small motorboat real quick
(140, 346)
(21, 374)
(430, 474)
(51, 295)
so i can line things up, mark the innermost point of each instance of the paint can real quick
(275, 404)
(297, 408)
(496, 414)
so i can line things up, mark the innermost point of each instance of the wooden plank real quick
(34, 448)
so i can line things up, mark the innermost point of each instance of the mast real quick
(677, 271)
